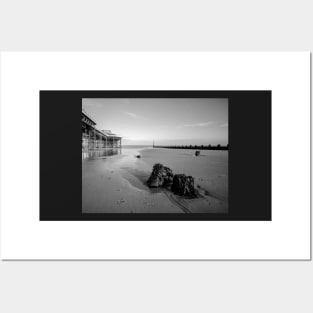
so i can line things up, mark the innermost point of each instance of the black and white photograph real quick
(155, 155)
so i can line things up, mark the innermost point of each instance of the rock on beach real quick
(183, 185)
(161, 176)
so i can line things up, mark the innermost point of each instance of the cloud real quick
(224, 125)
(91, 103)
(199, 124)
(134, 115)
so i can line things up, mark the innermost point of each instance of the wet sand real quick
(117, 183)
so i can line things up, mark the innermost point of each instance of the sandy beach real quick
(116, 183)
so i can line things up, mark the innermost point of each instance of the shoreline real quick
(117, 184)
(217, 148)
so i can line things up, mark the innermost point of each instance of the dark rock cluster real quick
(183, 185)
(163, 176)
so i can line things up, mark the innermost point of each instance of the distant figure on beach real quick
(197, 153)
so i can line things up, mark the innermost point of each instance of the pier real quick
(95, 139)
(194, 147)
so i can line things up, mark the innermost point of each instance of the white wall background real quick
(156, 286)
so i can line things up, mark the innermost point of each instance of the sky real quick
(176, 121)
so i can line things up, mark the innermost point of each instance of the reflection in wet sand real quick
(90, 155)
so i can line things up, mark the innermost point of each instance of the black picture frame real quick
(250, 148)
